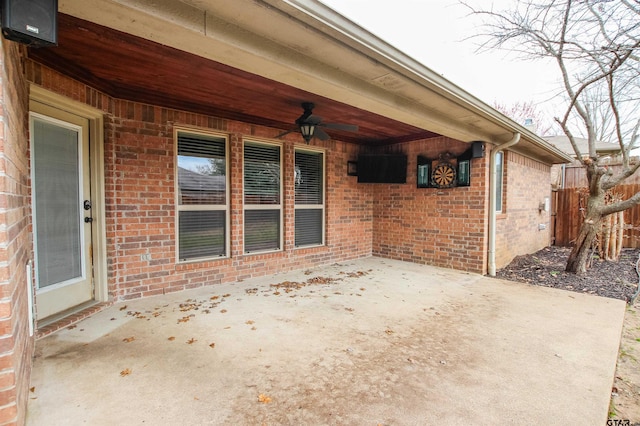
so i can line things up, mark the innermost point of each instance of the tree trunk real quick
(613, 249)
(605, 243)
(620, 234)
(592, 224)
(577, 262)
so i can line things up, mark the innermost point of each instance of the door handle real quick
(87, 205)
(88, 219)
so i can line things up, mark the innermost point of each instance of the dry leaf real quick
(212, 345)
(122, 308)
(191, 341)
(32, 389)
(71, 327)
(250, 322)
(125, 372)
(214, 298)
(128, 339)
(224, 311)
(171, 339)
(264, 399)
(253, 328)
(388, 331)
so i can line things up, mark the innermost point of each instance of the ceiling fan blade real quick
(321, 134)
(285, 133)
(314, 119)
(338, 126)
(311, 119)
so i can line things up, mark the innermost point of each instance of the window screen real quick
(499, 177)
(309, 198)
(262, 197)
(202, 196)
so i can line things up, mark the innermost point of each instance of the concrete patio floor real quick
(366, 342)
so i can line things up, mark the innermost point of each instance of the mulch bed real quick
(617, 280)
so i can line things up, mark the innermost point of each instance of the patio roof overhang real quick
(257, 60)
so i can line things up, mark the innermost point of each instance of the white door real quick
(61, 201)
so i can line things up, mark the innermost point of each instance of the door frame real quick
(95, 118)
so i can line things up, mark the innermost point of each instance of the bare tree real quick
(595, 45)
(523, 112)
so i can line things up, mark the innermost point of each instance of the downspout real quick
(492, 200)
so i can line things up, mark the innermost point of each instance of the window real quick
(464, 168)
(262, 197)
(202, 196)
(499, 177)
(309, 198)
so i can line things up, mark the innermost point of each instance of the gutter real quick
(399, 63)
(492, 201)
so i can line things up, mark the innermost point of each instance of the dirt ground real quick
(608, 279)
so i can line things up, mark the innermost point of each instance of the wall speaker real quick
(32, 22)
(477, 150)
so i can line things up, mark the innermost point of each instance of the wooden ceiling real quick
(128, 67)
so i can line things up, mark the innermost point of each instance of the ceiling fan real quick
(310, 125)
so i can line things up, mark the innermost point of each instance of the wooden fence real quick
(567, 216)
(575, 176)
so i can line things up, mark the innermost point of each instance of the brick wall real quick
(527, 182)
(16, 345)
(140, 198)
(442, 227)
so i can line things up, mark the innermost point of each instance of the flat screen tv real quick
(382, 168)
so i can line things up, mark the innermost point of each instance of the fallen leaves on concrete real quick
(264, 399)
(184, 319)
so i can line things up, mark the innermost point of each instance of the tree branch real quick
(624, 174)
(621, 205)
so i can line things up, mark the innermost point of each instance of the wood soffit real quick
(132, 68)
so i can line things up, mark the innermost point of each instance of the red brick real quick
(443, 227)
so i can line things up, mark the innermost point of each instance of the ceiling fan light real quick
(307, 130)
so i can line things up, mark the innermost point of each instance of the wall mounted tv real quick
(382, 168)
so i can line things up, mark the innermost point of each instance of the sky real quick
(436, 33)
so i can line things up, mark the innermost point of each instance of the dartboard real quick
(443, 175)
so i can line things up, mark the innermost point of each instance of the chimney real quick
(528, 123)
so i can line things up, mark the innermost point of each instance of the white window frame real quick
(322, 206)
(255, 207)
(202, 207)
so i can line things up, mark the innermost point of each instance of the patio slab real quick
(367, 342)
